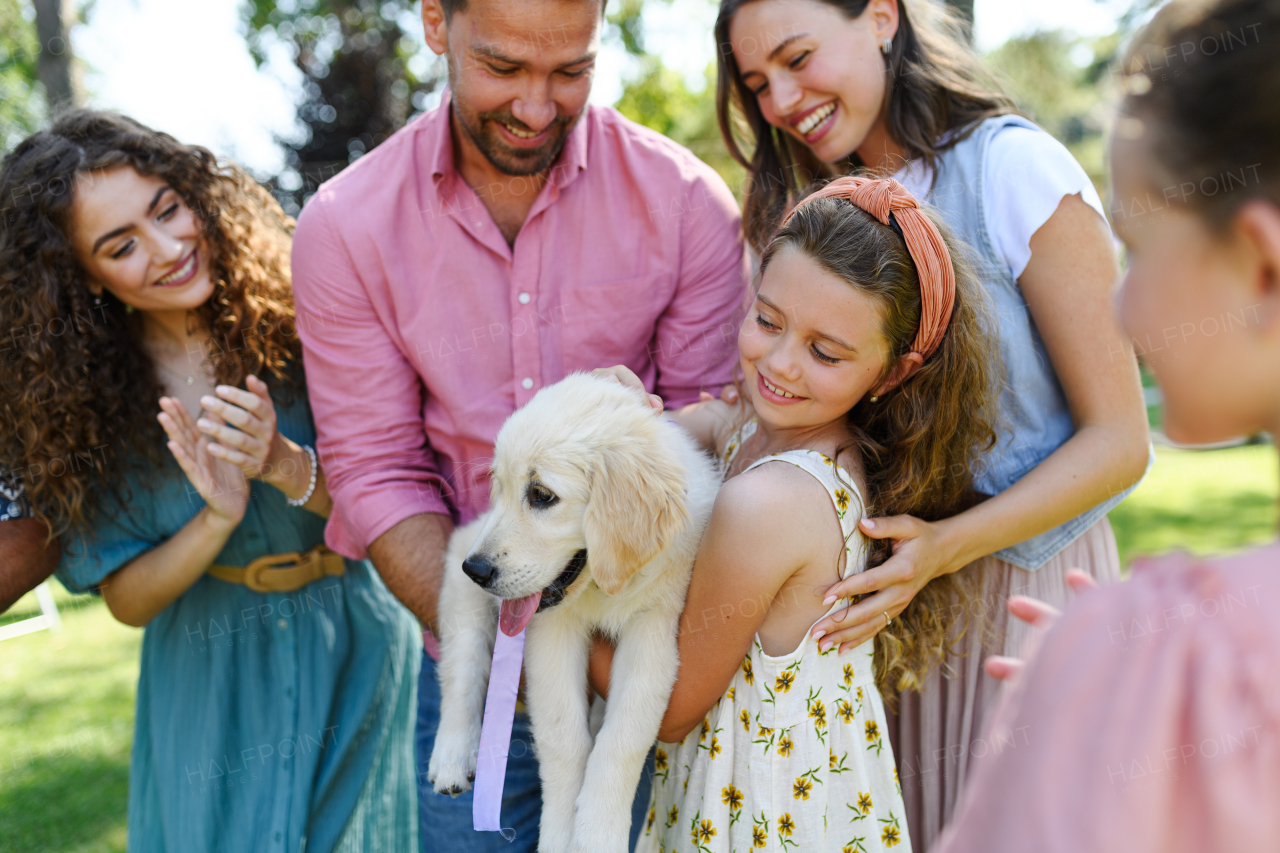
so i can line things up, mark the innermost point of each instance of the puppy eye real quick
(540, 497)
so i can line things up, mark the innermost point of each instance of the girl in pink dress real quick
(1149, 720)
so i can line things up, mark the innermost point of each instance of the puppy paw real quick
(451, 771)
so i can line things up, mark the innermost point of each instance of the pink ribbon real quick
(495, 734)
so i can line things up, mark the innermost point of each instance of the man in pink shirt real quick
(495, 244)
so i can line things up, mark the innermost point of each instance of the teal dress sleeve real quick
(115, 536)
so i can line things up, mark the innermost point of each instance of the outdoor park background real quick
(297, 89)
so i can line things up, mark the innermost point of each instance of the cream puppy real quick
(597, 507)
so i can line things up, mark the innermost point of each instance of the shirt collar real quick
(572, 159)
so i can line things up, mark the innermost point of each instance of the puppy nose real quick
(479, 570)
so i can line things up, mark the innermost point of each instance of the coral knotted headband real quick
(886, 198)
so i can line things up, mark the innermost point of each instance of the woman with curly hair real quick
(278, 680)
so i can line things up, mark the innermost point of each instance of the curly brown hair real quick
(937, 92)
(922, 442)
(82, 394)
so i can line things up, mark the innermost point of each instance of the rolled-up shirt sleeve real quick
(696, 338)
(366, 396)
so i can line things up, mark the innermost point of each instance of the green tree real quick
(1063, 83)
(22, 107)
(56, 65)
(359, 84)
(659, 98)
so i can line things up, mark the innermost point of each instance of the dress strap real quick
(844, 495)
(743, 433)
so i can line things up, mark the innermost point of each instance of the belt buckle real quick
(254, 571)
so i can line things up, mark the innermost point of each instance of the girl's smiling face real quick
(817, 75)
(811, 345)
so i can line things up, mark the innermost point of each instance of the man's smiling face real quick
(520, 74)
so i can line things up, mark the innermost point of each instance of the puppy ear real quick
(638, 503)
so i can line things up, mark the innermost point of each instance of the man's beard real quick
(480, 129)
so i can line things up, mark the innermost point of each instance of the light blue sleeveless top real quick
(1036, 419)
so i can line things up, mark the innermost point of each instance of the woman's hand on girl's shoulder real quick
(919, 555)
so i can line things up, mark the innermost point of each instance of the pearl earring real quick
(874, 398)
(886, 46)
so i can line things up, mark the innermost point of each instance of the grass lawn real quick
(66, 725)
(1206, 502)
(66, 700)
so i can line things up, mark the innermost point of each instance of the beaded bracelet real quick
(311, 454)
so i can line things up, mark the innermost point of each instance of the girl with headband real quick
(890, 87)
(868, 367)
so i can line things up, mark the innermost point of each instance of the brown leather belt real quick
(283, 572)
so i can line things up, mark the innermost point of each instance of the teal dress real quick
(265, 721)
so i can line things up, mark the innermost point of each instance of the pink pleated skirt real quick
(936, 733)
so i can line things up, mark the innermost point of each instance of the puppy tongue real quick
(517, 612)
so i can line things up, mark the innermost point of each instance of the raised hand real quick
(241, 426)
(222, 485)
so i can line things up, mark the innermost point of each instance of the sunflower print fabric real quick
(794, 756)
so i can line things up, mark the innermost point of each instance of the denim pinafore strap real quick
(1035, 418)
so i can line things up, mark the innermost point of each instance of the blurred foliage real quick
(1064, 84)
(365, 68)
(660, 99)
(22, 106)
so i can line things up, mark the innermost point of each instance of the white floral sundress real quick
(795, 755)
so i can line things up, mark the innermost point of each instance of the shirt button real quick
(526, 383)
(524, 298)
(282, 624)
(288, 692)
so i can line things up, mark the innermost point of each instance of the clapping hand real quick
(241, 426)
(221, 484)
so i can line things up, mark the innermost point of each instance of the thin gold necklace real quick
(190, 380)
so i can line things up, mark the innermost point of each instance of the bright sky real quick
(182, 65)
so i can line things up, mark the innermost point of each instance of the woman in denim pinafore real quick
(830, 88)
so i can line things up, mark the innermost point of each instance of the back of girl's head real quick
(935, 84)
(1203, 83)
(77, 382)
(921, 442)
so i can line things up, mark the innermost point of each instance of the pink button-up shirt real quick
(423, 330)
